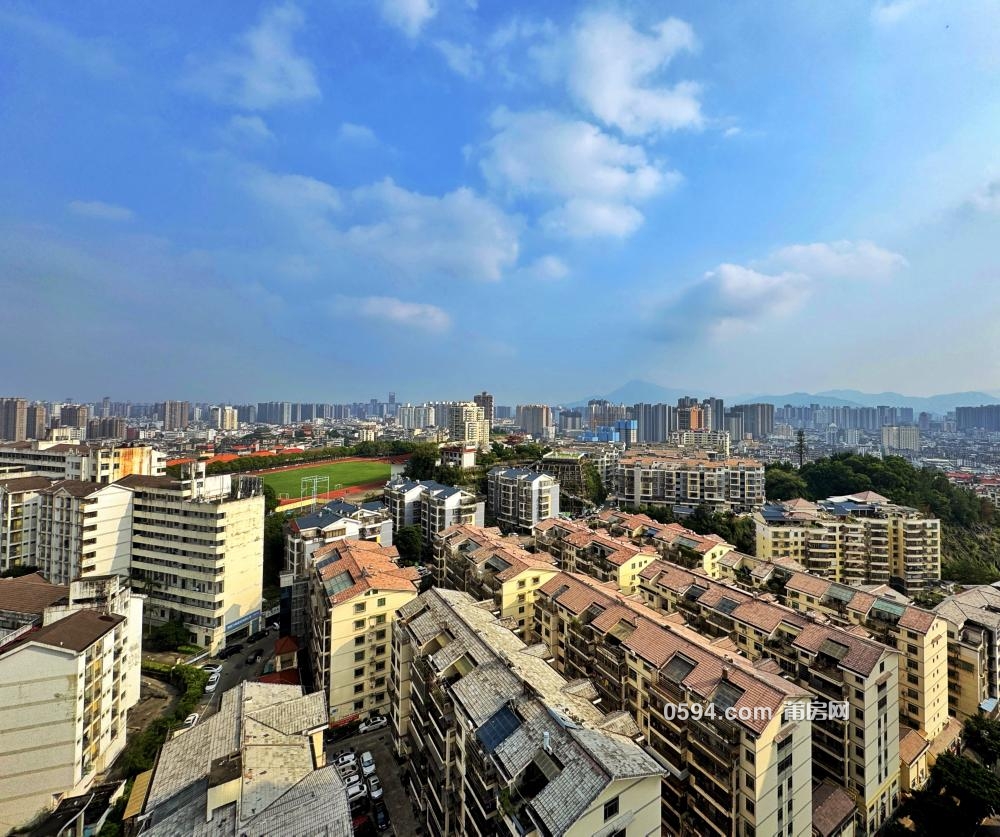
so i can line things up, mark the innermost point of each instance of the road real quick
(235, 670)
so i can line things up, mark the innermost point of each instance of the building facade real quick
(518, 498)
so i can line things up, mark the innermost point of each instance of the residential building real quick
(355, 589)
(758, 419)
(431, 506)
(411, 417)
(112, 427)
(175, 415)
(13, 419)
(102, 463)
(255, 768)
(69, 673)
(859, 753)
(518, 497)
(902, 438)
(583, 550)
(535, 420)
(336, 521)
(36, 422)
(74, 415)
(82, 529)
(682, 483)
(465, 422)
(485, 400)
(690, 417)
(487, 565)
(653, 422)
(198, 551)
(499, 742)
(857, 539)
(920, 636)
(749, 773)
(18, 521)
(223, 418)
(693, 441)
(459, 456)
(973, 617)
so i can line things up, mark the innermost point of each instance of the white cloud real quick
(409, 16)
(840, 260)
(389, 310)
(613, 70)
(101, 211)
(248, 128)
(548, 268)
(459, 235)
(733, 298)
(890, 12)
(264, 70)
(358, 134)
(463, 59)
(987, 199)
(598, 178)
(94, 56)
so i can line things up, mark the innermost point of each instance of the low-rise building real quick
(487, 565)
(102, 463)
(499, 742)
(518, 497)
(355, 589)
(255, 768)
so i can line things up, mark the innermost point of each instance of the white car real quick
(191, 720)
(351, 778)
(213, 681)
(356, 791)
(347, 760)
(212, 668)
(374, 787)
(367, 763)
(377, 722)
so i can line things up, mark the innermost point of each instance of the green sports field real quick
(341, 474)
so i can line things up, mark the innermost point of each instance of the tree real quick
(594, 485)
(274, 549)
(982, 734)
(409, 540)
(170, 636)
(423, 462)
(783, 484)
(974, 787)
(270, 499)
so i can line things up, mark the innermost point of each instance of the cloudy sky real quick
(327, 200)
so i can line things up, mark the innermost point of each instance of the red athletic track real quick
(340, 493)
(295, 466)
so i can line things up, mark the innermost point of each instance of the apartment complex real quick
(69, 673)
(223, 417)
(518, 498)
(82, 529)
(18, 498)
(682, 483)
(856, 539)
(758, 419)
(920, 636)
(13, 419)
(76, 461)
(901, 438)
(973, 617)
(198, 551)
(489, 566)
(746, 774)
(255, 768)
(431, 506)
(466, 422)
(535, 420)
(355, 588)
(579, 549)
(860, 752)
(485, 400)
(175, 415)
(499, 742)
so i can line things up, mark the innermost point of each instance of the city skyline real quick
(771, 200)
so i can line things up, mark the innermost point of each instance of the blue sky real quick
(326, 200)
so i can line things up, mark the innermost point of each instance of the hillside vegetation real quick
(970, 538)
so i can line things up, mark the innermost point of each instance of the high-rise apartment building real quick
(175, 415)
(518, 497)
(18, 521)
(485, 400)
(74, 415)
(431, 506)
(653, 422)
(758, 419)
(37, 422)
(102, 463)
(355, 589)
(198, 551)
(106, 428)
(535, 420)
(499, 742)
(465, 423)
(13, 419)
(904, 438)
(858, 539)
(714, 411)
(690, 417)
(223, 418)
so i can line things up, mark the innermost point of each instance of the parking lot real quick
(379, 744)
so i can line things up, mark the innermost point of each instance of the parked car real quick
(350, 777)
(376, 722)
(211, 668)
(356, 791)
(347, 759)
(274, 626)
(254, 657)
(367, 763)
(229, 650)
(255, 637)
(381, 815)
(191, 720)
(350, 751)
(213, 682)
(374, 787)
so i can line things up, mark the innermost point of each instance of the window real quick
(359, 656)
(380, 602)
(359, 705)
(750, 807)
(359, 688)
(359, 607)
(359, 672)
(359, 624)
(358, 641)
(610, 809)
(520, 584)
(749, 781)
(750, 756)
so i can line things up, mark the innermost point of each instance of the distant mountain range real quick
(636, 391)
